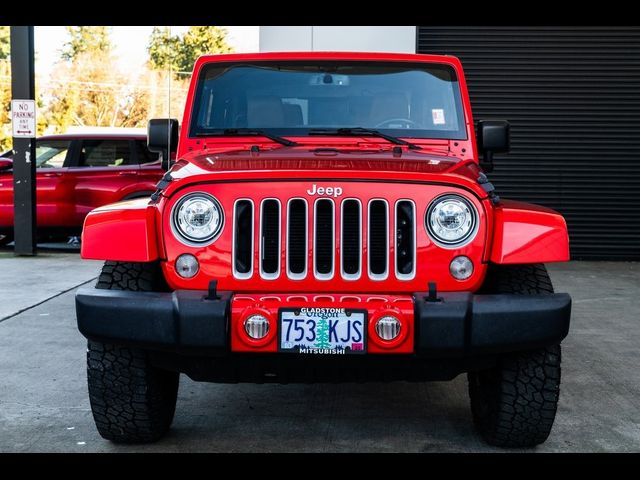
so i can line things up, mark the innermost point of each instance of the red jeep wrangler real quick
(327, 220)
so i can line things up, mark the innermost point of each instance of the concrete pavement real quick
(44, 405)
(26, 281)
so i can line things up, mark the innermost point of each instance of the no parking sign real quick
(23, 118)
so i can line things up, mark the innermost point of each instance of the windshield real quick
(293, 98)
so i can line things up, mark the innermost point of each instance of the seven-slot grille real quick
(314, 230)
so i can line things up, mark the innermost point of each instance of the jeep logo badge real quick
(326, 191)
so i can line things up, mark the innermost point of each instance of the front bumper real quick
(457, 325)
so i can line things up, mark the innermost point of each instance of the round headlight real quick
(197, 218)
(452, 221)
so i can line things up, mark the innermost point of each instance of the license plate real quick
(322, 331)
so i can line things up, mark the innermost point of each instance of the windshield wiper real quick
(355, 131)
(249, 132)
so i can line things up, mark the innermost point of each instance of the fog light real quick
(187, 265)
(388, 327)
(461, 267)
(256, 326)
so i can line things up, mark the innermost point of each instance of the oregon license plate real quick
(322, 331)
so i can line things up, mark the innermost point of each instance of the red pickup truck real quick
(328, 219)
(77, 173)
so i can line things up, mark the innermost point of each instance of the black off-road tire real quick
(514, 403)
(132, 401)
(137, 277)
(517, 279)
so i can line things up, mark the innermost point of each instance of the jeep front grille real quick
(317, 232)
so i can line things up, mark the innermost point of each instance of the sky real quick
(130, 44)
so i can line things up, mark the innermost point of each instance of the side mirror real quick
(5, 164)
(162, 138)
(493, 137)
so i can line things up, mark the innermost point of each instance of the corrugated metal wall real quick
(572, 95)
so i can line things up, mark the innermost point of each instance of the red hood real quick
(305, 162)
(300, 159)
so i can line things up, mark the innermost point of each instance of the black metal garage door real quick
(572, 95)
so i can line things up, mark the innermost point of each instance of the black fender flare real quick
(138, 194)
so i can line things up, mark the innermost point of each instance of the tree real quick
(200, 41)
(5, 94)
(5, 105)
(166, 95)
(5, 90)
(5, 43)
(162, 49)
(179, 53)
(88, 89)
(322, 334)
(86, 39)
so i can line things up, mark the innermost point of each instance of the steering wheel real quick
(409, 123)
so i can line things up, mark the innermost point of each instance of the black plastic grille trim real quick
(243, 237)
(351, 237)
(297, 236)
(378, 238)
(405, 239)
(270, 237)
(324, 245)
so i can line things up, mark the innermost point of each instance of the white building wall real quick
(338, 38)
